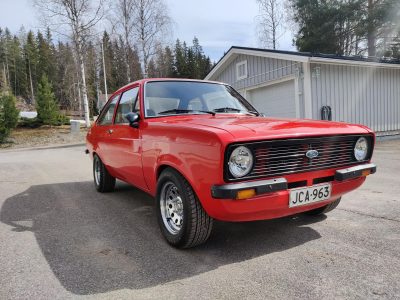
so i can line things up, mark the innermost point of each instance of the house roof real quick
(301, 57)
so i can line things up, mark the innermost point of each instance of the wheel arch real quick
(162, 167)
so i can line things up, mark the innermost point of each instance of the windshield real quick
(190, 97)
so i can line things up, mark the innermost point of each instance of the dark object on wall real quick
(326, 113)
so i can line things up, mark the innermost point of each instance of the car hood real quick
(251, 128)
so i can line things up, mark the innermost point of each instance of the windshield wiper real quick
(256, 113)
(226, 109)
(179, 111)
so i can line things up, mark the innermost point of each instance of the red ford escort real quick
(205, 153)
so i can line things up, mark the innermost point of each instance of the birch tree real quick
(124, 11)
(80, 17)
(270, 22)
(151, 23)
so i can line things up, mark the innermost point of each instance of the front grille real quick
(280, 157)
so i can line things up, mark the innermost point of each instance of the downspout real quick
(307, 89)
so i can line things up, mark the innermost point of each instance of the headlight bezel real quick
(360, 140)
(230, 165)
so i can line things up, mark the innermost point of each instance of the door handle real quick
(110, 131)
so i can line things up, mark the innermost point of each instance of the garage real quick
(275, 100)
(351, 89)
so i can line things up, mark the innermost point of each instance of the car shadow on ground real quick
(96, 243)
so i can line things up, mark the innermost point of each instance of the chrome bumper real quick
(354, 172)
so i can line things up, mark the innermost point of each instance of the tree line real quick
(84, 62)
(342, 27)
(26, 57)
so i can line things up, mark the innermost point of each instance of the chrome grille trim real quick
(280, 157)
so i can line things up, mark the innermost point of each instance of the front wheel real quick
(103, 181)
(323, 209)
(182, 220)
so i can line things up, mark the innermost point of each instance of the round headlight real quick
(361, 149)
(240, 162)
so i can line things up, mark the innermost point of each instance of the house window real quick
(241, 70)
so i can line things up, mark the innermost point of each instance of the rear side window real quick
(107, 116)
(126, 105)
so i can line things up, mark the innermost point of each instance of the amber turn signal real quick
(244, 194)
(366, 172)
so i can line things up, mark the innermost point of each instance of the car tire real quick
(324, 209)
(103, 181)
(183, 221)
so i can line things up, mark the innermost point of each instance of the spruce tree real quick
(8, 114)
(31, 57)
(46, 104)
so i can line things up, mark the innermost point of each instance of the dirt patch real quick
(43, 136)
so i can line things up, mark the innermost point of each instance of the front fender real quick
(168, 160)
(200, 164)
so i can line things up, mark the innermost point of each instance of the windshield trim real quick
(241, 99)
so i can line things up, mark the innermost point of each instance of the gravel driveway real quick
(60, 239)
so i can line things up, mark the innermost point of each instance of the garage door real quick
(277, 100)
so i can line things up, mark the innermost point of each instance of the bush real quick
(29, 123)
(8, 115)
(46, 105)
(62, 120)
(35, 122)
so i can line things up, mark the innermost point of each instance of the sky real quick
(218, 24)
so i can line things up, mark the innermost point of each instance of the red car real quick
(205, 153)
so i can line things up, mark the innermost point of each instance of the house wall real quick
(261, 71)
(361, 95)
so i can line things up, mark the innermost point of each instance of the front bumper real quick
(354, 172)
(271, 199)
(230, 191)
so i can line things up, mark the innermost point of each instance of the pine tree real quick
(345, 27)
(168, 62)
(190, 64)
(119, 72)
(180, 59)
(65, 86)
(46, 105)
(134, 61)
(151, 69)
(31, 57)
(198, 58)
(46, 59)
(109, 63)
(92, 77)
(17, 68)
(3, 81)
(8, 115)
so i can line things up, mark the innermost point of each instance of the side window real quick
(106, 118)
(126, 105)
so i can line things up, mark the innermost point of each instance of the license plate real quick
(307, 195)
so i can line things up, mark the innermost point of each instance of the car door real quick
(103, 130)
(126, 143)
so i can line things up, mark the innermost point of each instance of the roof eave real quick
(335, 61)
(287, 55)
(229, 56)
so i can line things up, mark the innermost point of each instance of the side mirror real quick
(133, 119)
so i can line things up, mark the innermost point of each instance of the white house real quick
(306, 85)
